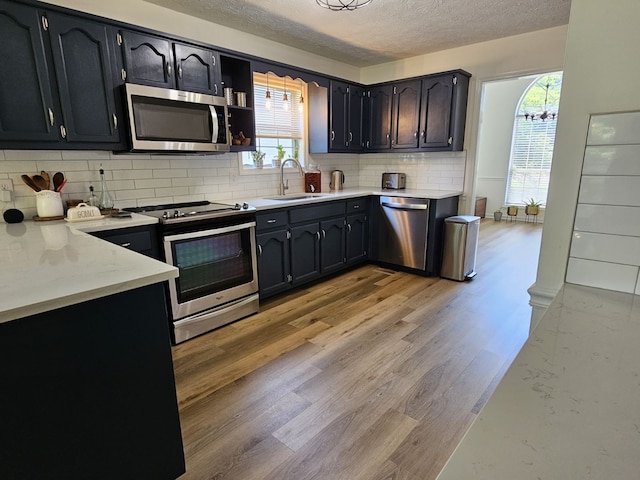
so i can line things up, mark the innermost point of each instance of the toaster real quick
(394, 181)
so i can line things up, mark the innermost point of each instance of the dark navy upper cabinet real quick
(339, 117)
(83, 68)
(155, 61)
(197, 69)
(380, 98)
(57, 84)
(148, 60)
(443, 111)
(405, 114)
(27, 108)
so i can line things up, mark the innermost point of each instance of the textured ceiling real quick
(384, 30)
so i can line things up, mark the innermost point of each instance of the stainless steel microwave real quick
(165, 120)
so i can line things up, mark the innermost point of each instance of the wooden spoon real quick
(26, 179)
(58, 178)
(40, 182)
(46, 176)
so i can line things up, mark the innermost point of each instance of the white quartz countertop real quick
(569, 405)
(291, 199)
(49, 265)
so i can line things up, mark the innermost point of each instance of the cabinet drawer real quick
(358, 205)
(275, 218)
(316, 212)
(138, 239)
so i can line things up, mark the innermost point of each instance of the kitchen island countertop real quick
(49, 265)
(568, 405)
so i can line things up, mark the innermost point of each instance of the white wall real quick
(600, 72)
(499, 102)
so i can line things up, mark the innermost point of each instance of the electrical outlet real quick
(6, 187)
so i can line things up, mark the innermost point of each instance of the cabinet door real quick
(83, 67)
(305, 252)
(273, 262)
(435, 121)
(197, 69)
(356, 115)
(406, 114)
(380, 118)
(357, 238)
(148, 60)
(332, 245)
(27, 111)
(338, 129)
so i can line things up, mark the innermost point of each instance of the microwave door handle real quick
(214, 124)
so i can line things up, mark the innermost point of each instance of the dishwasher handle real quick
(406, 206)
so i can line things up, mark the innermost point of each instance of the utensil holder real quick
(228, 95)
(49, 203)
(241, 99)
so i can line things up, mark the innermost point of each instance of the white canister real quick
(49, 204)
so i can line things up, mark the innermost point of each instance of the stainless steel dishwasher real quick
(403, 229)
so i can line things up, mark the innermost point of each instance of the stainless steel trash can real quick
(460, 247)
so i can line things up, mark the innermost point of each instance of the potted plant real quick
(497, 215)
(512, 210)
(279, 156)
(258, 158)
(531, 207)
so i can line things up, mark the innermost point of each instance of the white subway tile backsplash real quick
(610, 190)
(608, 219)
(612, 160)
(614, 129)
(606, 248)
(94, 156)
(170, 173)
(135, 194)
(153, 183)
(610, 276)
(129, 174)
(33, 155)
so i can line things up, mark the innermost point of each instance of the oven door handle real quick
(214, 123)
(213, 231)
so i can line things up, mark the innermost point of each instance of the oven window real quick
(212, 264)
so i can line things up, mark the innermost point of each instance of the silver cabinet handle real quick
(333, 135)
(215, 88)
(450, 140)
(388, 136)
(349, 227)
(415, 134)
(259, 249)
(168, 69)
(180, 71)
(356, 207)
(318, 235)
(123, 74)
(63, 131)
(115, 121)
(422, 133)
(350, 137)
(272, 220)
(126, 244)
(213, 60)
(51, 117)
(324, 234)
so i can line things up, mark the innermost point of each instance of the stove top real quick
(170, 213)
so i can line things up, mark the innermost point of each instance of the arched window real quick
(534, 133)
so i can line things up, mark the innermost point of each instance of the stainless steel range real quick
(213, 246)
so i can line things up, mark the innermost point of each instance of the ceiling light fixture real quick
(267, 101)
(337, 5)
(285, 97)
(545, 114)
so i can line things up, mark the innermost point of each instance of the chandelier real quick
(337, 5)
(545, 114)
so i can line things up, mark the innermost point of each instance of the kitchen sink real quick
(305, 196)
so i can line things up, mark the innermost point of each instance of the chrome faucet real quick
(284, 187)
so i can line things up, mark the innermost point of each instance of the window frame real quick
(295, 90)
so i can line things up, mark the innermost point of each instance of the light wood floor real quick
(371, 375)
